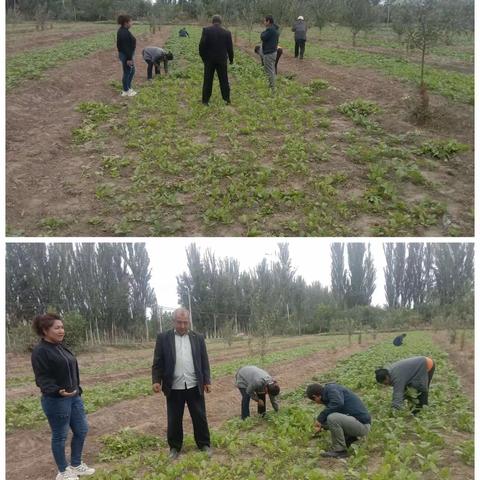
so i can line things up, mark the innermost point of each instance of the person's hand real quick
(64, 393)
(130, 63)
(156, 387)
(318, 426)
(261, 403)
(207, 388)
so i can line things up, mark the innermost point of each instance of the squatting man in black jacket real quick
(344, 415)
(182, 371)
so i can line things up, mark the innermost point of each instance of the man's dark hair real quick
(257, 49)
(273, 389)
(269, 19)
(216, 19)
(315, 389)
(404, 334)
(169, 56)
(123, 19)
(41, 323)
(381, 374)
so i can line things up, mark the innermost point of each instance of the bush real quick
(21, 338)
(75, 328)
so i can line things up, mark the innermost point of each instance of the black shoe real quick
(206, 449)
(350, 440)
(174, 453)
(334, 454)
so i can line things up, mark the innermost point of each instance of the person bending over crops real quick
(269, 38)
(215, 48)
(398, 341)
(258, 51)
(255, 383)
(183, 32)
(126, 44)
(57, 375)
(344, 415)
(153, 56)
(182, 371)
(415, 372)
(300, 36)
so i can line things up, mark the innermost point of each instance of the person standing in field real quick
(398, 341)
(300, 36)
(181, 370)
(57, 375)
(215, 47)
(258, 51)
(415, 372)
(153, 56)
(126, 44)
(255, 383)
(344, 415)
(269, 38)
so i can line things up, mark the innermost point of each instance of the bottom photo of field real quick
(293, 359)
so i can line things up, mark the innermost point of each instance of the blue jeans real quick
(128, 72)
(64, 413)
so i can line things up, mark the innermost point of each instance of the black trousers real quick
(208, 74)
(299, 46)
(246, 403)
(150, 69)
(196, 406)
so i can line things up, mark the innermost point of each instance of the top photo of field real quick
(334, 118)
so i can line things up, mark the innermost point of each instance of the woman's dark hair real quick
(273, 389)
(269, 18)
(123, 19)
(169, 56)
(315, 389)
(44, 322)
(381, 374)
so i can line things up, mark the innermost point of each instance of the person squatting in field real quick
(258, 51)
(398, 341)
(255, 383)
(300, 36)
(57, 375)
(415, 372)
(153, 56)
(215, 47)
(126, 44)
(269, 38)
(344, 415)
(183, 32)
(182, 371)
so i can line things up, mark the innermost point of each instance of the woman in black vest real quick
(126, 44)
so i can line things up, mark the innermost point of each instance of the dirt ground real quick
(149, 415)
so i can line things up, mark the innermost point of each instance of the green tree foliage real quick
(361, 277)
(358, 15)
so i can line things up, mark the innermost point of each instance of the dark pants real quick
(150, 66)
(299, 46)
(196, 406)
(65, 413)
(423, 396)
(128, 72)
(279, 54)
(246, 403)
(208, 74)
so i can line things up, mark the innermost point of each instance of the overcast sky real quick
(310, 257)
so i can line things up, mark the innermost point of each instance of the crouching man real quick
(344, 415)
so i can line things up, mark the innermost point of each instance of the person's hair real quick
(269, 19)
(123, 19)
(179, 311)
(404, 334)
(257, 49)
(216, 19)
(41, 323)
(169, 56)
(315, 389)
(381, 374)
(273, 389)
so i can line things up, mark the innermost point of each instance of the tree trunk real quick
(424, 47)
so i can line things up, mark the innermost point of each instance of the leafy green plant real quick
(442, 149)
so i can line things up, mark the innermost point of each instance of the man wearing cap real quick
(255, 383)
(415, 372)
(300, 29)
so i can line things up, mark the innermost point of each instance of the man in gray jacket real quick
(255, 383)
(153, 56)
(300, 29)
(415, 372)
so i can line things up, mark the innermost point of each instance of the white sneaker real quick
(131, 93)
(66, 475)
(124, 93)
(81, 470)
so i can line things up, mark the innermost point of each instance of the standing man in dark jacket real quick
(300, 29)
(182, 371)
(269, 39)
(126, 44)
(345, 416)
(215, 48)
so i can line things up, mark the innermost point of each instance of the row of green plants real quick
(262, 166)
(32, 64)
(399, 446)
(27, 412)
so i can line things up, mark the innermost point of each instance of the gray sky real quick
(310, 257)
